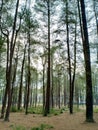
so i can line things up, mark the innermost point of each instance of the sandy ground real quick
(64, 121)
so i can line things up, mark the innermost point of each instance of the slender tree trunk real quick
(96, 16)
(7, 36)
(69, 60)
(14, 79)
(43, 87)
(89, 94)
(52, 83)
(25, 92)
(7, 74)
(1, 7)
(74, 70)
(47, 105)
(9, 79)
(16, 60)
(64, 90)
(21, 81)
(28, 74)
(36, 89)
(59, 105)
(56, 92)
(44, 90)
(52, 93)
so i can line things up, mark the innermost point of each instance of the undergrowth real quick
(41, 127)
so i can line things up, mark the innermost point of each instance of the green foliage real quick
(96, 110)
(39, 110)
(13, 109)
(29, 21)
(57, 111)
(35, 110)
(35, 128)
(43, 127)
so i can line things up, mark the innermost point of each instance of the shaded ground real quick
(64, 121)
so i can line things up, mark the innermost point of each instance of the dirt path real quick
(64, 121)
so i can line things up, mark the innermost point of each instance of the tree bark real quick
(14, 79)
(28, 73)
(74, 69)
(21, 81)
(89, 94)
(7, 74)
(59, 105)
(9, 78)
(43, 87)
(47, 105)
(69, 60)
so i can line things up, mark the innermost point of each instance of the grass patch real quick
(43, 127)
(39, 110)
(57, 111)
(14, 109)
(35, 110)
(18, 128)
(95, 110)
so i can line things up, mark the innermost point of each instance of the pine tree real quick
(89, 93)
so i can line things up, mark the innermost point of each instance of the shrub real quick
(37, 110)
(43, 127)
(14, 109)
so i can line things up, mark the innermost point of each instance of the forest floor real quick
(64, 121)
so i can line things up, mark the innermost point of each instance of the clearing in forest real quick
(64, 121)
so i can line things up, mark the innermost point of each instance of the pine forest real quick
(48, 64)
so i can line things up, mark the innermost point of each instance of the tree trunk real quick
(14, 79)
(9, 79)
(47, 105)
(36, 89)
(43, 87)
(89, 95)
(69, 60)
(28, 74)
(64, 90)
(74, 70)
(7, 75)
(25, 91)
(21, 81)
(1, 7)
(59, 91)
(52, 83)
